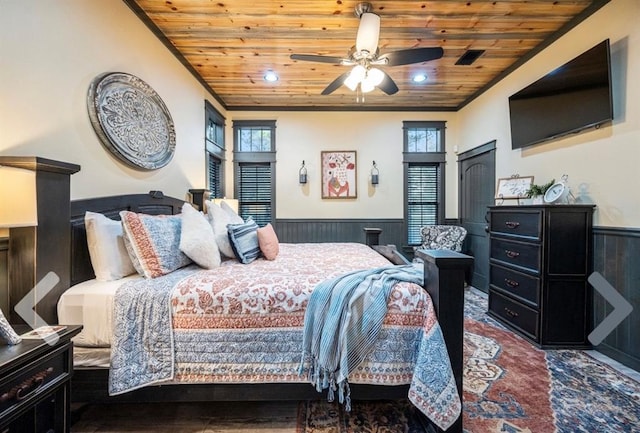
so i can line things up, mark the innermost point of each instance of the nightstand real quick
(35, 392)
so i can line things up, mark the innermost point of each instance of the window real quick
(215, 150)
(424, 160)
(254, 169)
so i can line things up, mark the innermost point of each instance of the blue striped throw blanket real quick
(342, 322)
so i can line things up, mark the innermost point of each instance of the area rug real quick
(509, 387)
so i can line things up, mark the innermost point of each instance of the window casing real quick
(424, 163)
(214, 150)
(254, 169)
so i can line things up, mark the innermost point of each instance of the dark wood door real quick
(477, 169)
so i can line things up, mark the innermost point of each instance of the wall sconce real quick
(302, 174)
(375, 174)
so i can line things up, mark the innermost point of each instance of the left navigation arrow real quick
(26, 307)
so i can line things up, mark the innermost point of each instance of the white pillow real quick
(220, 217)
(197, 239)
(109, 256)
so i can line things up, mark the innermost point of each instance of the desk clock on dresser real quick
(540, 259)
(35, 380)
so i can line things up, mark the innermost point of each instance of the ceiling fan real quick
(365, 56)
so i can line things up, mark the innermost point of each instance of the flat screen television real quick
(573, 97)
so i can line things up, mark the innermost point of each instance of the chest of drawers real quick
(540, 259)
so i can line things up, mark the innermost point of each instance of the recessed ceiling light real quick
(419, 78)
(270, 76)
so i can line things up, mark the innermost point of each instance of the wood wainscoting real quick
(339, 230)
(616, 252)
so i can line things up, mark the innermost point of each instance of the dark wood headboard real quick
(153, 203)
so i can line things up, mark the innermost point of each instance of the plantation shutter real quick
(422, 198)
(254, 192)
(215, 169)
(215, 150)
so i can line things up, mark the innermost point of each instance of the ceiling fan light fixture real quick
(351, 83)
(367, 86)
(358, 73)
(375, 76)
(365, 57)
(368, 32)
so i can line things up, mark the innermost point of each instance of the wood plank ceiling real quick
(229, 45)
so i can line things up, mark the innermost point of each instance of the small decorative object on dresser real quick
(559, 192)
(6, 331)
(35, 379)
(536, 192)
(513, 187)
(540, 259)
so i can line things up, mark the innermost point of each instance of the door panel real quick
(477, 184)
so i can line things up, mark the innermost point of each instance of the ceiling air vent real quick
(469, 57)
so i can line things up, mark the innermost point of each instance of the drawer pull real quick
(512, 224)
(511, 283)
(511, 254)
(511, 312)
(26, 388)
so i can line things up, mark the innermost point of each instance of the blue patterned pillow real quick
(244, 240)
(153, 243)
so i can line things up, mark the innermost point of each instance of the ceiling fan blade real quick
(317, 58)
(412, 55)
(387, 85)
(335, 84)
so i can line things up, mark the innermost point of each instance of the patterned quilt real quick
(243, 324)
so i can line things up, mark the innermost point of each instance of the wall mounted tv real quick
(573, 97)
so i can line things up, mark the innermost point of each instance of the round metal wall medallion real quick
(131, 120)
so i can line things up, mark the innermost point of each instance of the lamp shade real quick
(232, 202)
(18, 200)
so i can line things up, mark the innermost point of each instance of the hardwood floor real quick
(213, 417)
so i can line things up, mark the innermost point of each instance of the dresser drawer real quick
(516, 284)
(33, 379)
(515, 314)
(523, 224)
(523, 255)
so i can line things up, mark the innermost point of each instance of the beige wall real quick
(50, 51)
(374, 136)
(602, 165)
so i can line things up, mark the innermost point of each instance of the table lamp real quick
(18, 208)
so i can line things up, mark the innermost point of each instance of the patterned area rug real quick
(510, 387)
(365, 417)
(561, 391)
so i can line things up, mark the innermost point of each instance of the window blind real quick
(422, 198)
(215, 184)
(254, 191)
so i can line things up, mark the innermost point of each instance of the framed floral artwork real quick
(339, 174)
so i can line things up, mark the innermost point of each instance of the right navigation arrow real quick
(621, 308)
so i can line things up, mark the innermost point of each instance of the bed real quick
(274, 331)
